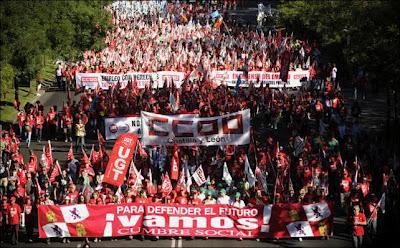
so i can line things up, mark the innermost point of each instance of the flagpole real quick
(134, 157)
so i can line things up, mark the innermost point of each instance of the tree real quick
(7, 76)
(357, 33)
(32, 30)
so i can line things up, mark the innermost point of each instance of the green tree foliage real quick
(7, 75)
(32, 30)
(357, 33)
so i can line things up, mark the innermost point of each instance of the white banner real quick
(115, 126)
(105, 80)
(143, 79)
(233, 128)
(271, 78)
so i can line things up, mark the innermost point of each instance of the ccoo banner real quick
(155, 219)
(229, 129)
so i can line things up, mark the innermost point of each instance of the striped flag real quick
(199, 176)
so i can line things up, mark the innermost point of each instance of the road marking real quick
(180, 243)
(173, 243)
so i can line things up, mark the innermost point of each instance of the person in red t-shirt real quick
(358, 220)
(66, 125)
(345, 187)
(13, 215)
(51, 119)
(39, 121)
(182, 199)
(21, 122)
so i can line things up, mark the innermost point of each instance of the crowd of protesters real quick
(327, 156)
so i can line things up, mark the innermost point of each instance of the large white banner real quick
(115, 126)
(233, 128)
(271, 78)
(143, 79)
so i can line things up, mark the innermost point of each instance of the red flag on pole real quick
(70, 155)
(49, 155)
(142, 152)
(85, 159)
(120, 158)
(175, 164)
(100, 138)
(166, 186)
(55, 173)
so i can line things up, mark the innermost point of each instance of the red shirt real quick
(51, 118)
(73, 196)
(358, 230)
(39, 121)
(140, 200)
(13, 214)
(346, 184)
(67, 119)
(196, 201)
(22, 176)
(181, 200)
(21, 119)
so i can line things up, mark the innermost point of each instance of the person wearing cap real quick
(13, 215)
(210, 199)
(47, 200)
(223, 198)
(239, 203)
(203, 193)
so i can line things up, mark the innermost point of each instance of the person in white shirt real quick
(333, 75)
(202, 195)
(239, 203)
(209, 200)
(223, 198)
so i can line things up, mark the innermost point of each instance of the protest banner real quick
(155, 219)
(120, 159)
(233, 128)
(115, 126)
(157, 79)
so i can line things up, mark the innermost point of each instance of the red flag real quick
(92, 154)
(100, 138)
(38, 188)
(120, 158)
(85, 159)
(166, 186)
(151, 189)
(55, 173)
(142, 151)
(49, 156)
(181, 185)
(175, 164)
(70, 155)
